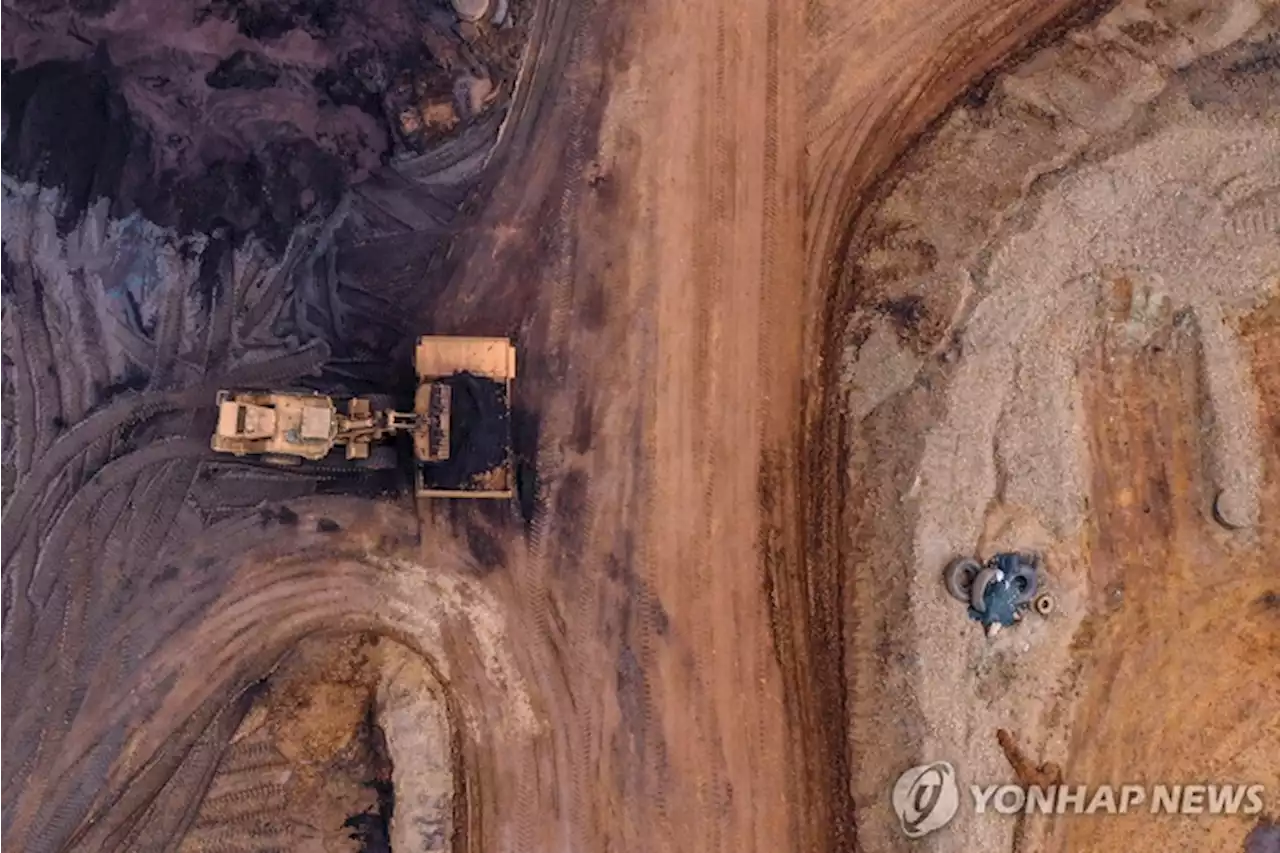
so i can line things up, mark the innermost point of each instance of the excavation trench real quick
(348, 707)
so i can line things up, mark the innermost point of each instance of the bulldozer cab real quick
(281, 423)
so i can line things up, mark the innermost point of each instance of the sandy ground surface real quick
(1077, 366)
(714, 621)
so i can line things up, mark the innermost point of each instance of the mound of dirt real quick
(348, 748)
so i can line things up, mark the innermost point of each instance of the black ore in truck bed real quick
(480, 433)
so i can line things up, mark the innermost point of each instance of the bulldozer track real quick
(24, 401)
(96, 352)
(149, 531)
(260, 755)
(120, 472)
(168, 337)
(261, 799)
(38, 350)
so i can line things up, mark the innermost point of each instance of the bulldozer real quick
(460, 423)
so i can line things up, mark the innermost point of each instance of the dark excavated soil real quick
(264, 141)
(248, 115)
(479, 436)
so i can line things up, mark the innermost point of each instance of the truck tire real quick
(1026, 580)
(978, 592)
(959, 577)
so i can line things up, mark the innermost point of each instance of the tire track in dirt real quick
(24, 400)
(251, 622)
(714, 156)
(37, 350)
(95, 329)
(582, 504)
(779, 367)
(150, 527)
(57, 612)
(131, 409)
(706, 212)
(168, 815)
(1177, 622)
(263, 302)
(121, 472)
(69, 507)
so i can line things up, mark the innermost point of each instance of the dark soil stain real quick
(906, 313)
(243, 70)
(1270, 600)
(592, 309)
(270, 20)
(583, 422)
(484, 546)
(635, 696)
(281, 514)
(216, 266)
(372, 828)
(258, 132)
(620, 568)
(170, 572)
(359, 82)
(570, 504)
(526, 431)
(70, 128)
(1144, 33)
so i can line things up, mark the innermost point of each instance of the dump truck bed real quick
(478, 374)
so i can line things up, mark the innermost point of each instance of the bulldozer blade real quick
(434, 407)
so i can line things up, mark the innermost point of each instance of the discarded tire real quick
(1026, 580)
(978, 592)
(1222, 514)
(1044, 604)
(959, 577)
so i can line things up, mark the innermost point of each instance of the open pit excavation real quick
(899, 383)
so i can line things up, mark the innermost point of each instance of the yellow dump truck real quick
(460, 423)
